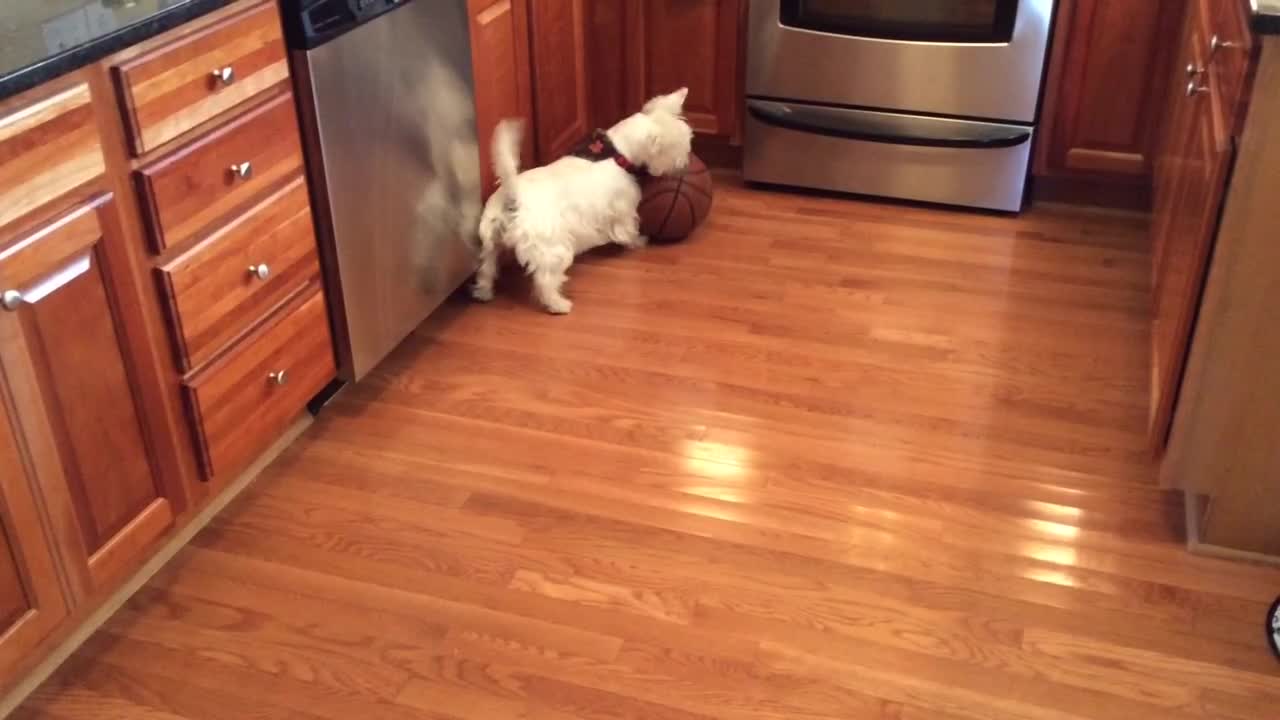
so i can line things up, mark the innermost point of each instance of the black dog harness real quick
(599, 148)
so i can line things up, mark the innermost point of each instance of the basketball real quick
(672, 206)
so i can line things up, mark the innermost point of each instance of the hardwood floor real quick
(829, 459)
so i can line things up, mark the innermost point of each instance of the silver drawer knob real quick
(1193, 89)
(262, 271)
(241, 170)
(279, 377)
(11, 300)
(225, 75)
(1194, 70)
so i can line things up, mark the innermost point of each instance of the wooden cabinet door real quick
(688, 43)
(1107, 87)
(62, 354)
(561, 103)
(31, 599)
(1191, 184)
(500, 64)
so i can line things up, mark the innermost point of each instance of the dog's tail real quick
(506, 151)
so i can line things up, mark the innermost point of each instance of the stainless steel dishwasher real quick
(387, 107)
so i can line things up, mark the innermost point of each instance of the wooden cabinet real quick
(62, 352)
(1107, 84)
(557, 32)
(34, 169)
(574, 65)
(231, 237)
(31, 599)
(194, 78)
(688, 43)
(248, 399)
(500, 66)
(145, 205)
(202, 182)
(1190, 184)
(216, 291)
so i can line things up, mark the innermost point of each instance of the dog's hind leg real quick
(491, 227)
(548, 286)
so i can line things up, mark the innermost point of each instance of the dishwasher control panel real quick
(311, 23)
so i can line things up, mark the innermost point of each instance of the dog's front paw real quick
(482, 293)
(559, 306)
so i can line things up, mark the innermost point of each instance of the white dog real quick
(548, 215)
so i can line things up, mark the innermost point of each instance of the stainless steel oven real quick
(945, 90)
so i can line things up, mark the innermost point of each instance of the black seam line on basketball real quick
(672, 206)
(693, 213)
(692, 216)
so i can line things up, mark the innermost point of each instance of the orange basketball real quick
(672, 206)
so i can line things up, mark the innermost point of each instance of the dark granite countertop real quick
(42, 39)
(1266, 16)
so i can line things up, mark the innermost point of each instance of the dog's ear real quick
(671, 103)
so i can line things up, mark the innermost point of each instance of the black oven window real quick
(960, 21)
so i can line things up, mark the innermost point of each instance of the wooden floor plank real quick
(827, 459)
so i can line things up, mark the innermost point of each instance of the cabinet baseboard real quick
(76, 636)
(1194, 514)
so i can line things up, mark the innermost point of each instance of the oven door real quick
(969, 58)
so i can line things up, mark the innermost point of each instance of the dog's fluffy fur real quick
(548, 215)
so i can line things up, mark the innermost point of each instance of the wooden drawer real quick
(229, 282)
(47, 149)
(239, 408)
(196, 186)
(175, 88)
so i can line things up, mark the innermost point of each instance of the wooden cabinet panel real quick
(688, 43)
(61, 349)
(175, 88)
(1232, 64)
(1107, 86)
(242, 404)
(1190, 186)
(47, 149)
(500, 65)
(559, 61)
(199, 184)
(232, 280)
(31, 599)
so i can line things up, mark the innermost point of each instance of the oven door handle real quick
(880, 127)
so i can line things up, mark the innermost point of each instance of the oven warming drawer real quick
(912, 157)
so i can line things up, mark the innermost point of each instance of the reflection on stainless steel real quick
(1000, 81)
(987, 178)
(50, 284)
(395, 125)
(914, 100)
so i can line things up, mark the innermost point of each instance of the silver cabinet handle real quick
(11, 300)
(242, 170)
(279, 377)
(262, 271)
(1194, 70)
(1216, 43)
(225, 75)
(1194, 89)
